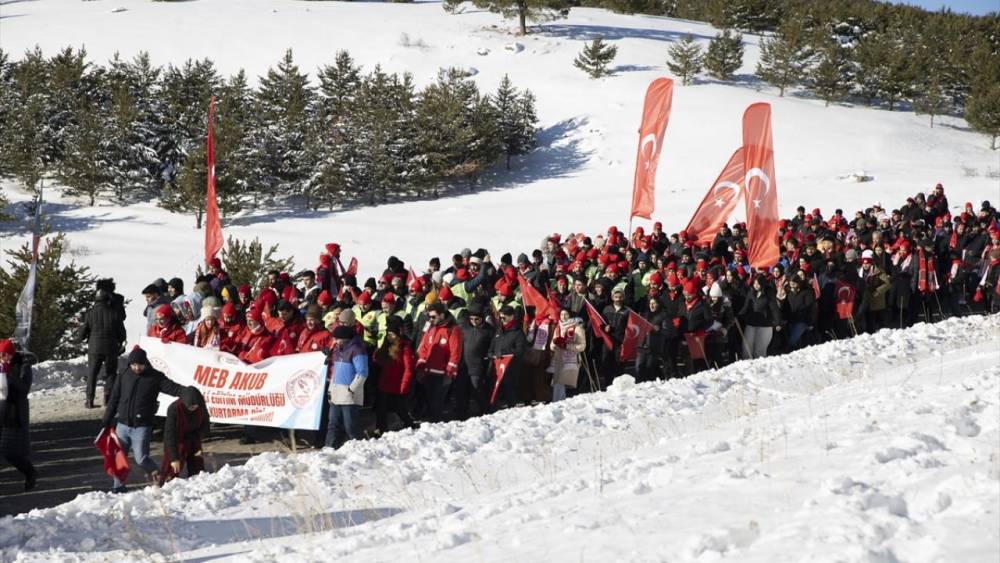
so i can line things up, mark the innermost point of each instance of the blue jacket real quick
(350, 369)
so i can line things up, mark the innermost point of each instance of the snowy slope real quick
(883, 448)
(579, 179)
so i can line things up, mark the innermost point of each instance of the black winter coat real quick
(196, 426)
(699, 317)
(617, 321)
(14, 410)
(103, 328)
(476, 341)
(133, 397)
(798, 305)
(760, 309)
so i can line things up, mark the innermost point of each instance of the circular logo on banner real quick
(159, 365)
(301, 387)
(225, 358)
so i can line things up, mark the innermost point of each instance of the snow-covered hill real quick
(882, 448)
(579, 179)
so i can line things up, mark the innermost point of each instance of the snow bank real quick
(863, 445)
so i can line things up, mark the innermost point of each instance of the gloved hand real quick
(560, 342)
(451, 372)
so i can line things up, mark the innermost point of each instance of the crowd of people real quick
(421, 343)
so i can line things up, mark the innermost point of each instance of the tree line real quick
(131, 130)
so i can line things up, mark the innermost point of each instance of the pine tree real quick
(331, 145)
(187, 193)
(63, 292)
(931, 100)
(785, 56)
(83, 169)
(595, 57)
(523, 10)
(685, 59)
(285, 105)
(23, 154)
(725, 55)
(72, 84)
(186, 92)
(871, 55)
(831, 78)
(983, 112)
(247, 262)
(899, 75)
(235, 126)
(516, 119)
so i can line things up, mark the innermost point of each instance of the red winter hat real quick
(700, 264)
(581, 256)
(324, 299)
(228, 310)
(333, 249)
(445, 294)
(658, 225)
(416, 286)
(389, 298)
(904, 245)
(165, 311)
(461, 274)
(324, 260)
(806, 267)
(364, 297)
(244, 289)
(655, 279)
(215, 263)
(613, 230)
(816, 213)
(672, 280)
(503, 288)
(612, 268)
(255, 315)
(289, 294)
(691, 287)
(268, 298)
(7, 346)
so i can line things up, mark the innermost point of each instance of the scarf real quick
(4, 370)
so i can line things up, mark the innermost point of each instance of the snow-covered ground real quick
(881, 448)
(580, 179)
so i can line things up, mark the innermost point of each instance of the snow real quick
(881, 448)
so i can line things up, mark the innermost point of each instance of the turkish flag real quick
(213, 226)
(533, 298)
(761, 186)
(655, 114)
(815, 285)
(636, 330)
(500, 366)
(115, 458)
(352, 268)
(719, 202)
(596, 324)
(845, 299)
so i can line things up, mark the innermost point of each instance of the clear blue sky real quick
(974, 7)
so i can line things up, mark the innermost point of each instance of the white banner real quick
(283, 391)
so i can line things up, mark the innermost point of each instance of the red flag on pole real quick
(815, 285)
(597, 324)
(636, 330)
(655, 114)
(845, 299)
(115, 458)
(761, 186)
(533, 298)
(213, 226)
(500, 369)
(352, 267)
(719, 202)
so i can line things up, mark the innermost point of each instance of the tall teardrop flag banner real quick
(761, 186)
(26, 301)
(719, 202)
(655, 115)
(213, 226)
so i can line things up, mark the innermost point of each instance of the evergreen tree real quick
(595, 57)
(132, 130)
(63, 292)
(516, 119)
(931, 100)
(382, 128)
(72, 84)
(870, 56)
(83, 169)
(331, 145)
(284, 102)
(785, 56)
(247, 262)
(983, 112)
(186, 92)
(899, 70)
(523, 10)
(831, 78)
(725, 55)
(234, 128)
(23, 154)
(685, 59)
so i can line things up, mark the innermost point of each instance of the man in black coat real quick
(103, 328)
(15, 382)
(509, 340)
(477, 336)
(133, 405)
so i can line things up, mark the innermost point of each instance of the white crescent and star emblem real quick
(842, 290)
(648, 138)
(634, 330)
(724, 185)
(763, 178)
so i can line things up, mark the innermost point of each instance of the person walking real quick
(103, 328)
(132, 406)
(184, 431)
(15, 382)
(347, 389)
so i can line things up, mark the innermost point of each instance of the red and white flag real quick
(845, 293)
(597, 324)
(352, 267)
(655, 115)
(500, 366)
(26, 301)
(534, 298)
(761, 186)
(213, 226)
(636, 330)
(719, 202)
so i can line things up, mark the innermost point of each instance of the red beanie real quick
(333, 249)
(691, 287)
(323, 300)
(364, 297)
(389, 298)
(324, 260)
(445, 293)
(7, 346)
(228, 310)
(672, 280)
(255, 315)
(215, 263)
(244, 289)
(164, 311)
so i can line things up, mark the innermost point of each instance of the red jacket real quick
(255, 347)
(395, 376)
(314, 341)
(286, 337)
(170, 333)
(229, 340)
(205, 337)
(441, 349)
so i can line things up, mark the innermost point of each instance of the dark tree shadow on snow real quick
(608, 33)
(55, 215)
(632, 68)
